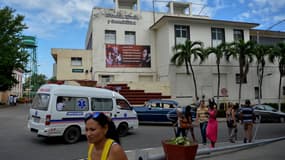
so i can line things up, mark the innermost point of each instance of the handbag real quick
(230, 123)
(184, 123)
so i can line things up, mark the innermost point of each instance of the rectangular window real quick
(182, 33)
(130, 37)
(76, 61)
(65, 103)
(107, 78)
(110, 37)
(238, 79)
(238, 35)
(122, 104)
(218, 36)
(41, 102)
(283, 90)
(101, 104)
(256, 92)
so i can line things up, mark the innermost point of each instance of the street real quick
(17, 142)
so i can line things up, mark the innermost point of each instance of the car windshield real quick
(41, 101)
(259, 107)
(268, 108)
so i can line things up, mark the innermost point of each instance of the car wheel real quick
(123, 129)
(282, 119)
(71, 134)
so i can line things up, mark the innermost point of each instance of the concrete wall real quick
(144, 36)
(64, 67)
(162, 87)
(164, 51)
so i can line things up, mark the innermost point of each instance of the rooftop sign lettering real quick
(121, 22)
(121, 14)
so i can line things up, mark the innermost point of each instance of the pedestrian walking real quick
(197, 102)
(188, 116)
(212, 127)
(15, 100)
(202, 119)
(231, 122)
(247, 119)
(181, 124)
(103, 139)
(11, 100)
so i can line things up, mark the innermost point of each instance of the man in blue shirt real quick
(247, 119)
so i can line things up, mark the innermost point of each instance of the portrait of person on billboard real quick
(146, 59)
(134, 56)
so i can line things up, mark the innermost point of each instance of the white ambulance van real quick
(59, 110)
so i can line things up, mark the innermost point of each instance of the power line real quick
(275, 24)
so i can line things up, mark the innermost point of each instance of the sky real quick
(64, 23)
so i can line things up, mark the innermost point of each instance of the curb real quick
(238, 146)
(158, 154)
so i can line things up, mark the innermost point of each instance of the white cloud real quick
(244, 15)
(215, 7)
(279, 18)
(161, 6)
(264, 12)
(44, 17)
(272, 5)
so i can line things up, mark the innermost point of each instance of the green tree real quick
(12, 55)
(185, 53)
(37, 80)
(260, 52)
(52, 79)
(219, 52)
(243, 52)
(279, 55)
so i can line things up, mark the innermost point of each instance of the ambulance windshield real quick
(41, 101)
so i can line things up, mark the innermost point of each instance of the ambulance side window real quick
(122, 104)
(101, 104)
(65, 103)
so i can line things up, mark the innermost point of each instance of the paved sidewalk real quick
(263, 151)
(5, 106)
(274, 151)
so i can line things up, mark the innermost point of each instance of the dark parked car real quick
(157, 111)
(268, 114)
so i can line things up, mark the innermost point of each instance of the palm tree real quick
(184, 53)
(242, 51)
(279, 54)
(219, 52)
(261, 51)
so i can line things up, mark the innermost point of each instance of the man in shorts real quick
(247, 119)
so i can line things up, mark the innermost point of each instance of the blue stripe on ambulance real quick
(81, 119)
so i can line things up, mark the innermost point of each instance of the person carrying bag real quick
(231, 122)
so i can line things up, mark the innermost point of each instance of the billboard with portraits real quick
(134, 56)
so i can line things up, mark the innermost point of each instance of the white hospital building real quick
(128, 45)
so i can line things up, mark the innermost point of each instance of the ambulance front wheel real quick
(71, 134)
(123, 129)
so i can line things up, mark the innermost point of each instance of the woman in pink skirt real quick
(212, 128)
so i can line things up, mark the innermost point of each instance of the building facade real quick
(128, 45)
(16, 90)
